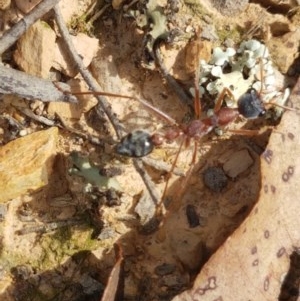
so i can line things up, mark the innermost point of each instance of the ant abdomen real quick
(250, 105)
(136, 144)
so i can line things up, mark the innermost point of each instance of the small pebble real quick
(3, 211)
(23, 133)
(192, 216)
(164, 269)
(215, 179)
(230, 7)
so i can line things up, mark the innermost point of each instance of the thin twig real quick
(102, 102)
(99, 13)
(47, 227)
(14, 33)
(41, 119)
(138, 165)
(183, 97)
(93, 85)
(32, 87)
(162, 165)
(92, 139)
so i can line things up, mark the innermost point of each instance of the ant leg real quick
(221, 97)
(261, 65)
(272, 103)
(161, 232)
(169, 175)
(152, 109)
(189, 172)
(245, 132)
(197, 102)
(262, 87)
(261, 74)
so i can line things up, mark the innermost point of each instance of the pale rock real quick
(287, 44)
(73, 110)
(71, 8)
(237, 163)
(230, 7)
(4, 4)
(85, 46)
(116, 4)
(26, 163)
(68, 9)
(34, 53)
(25, 6)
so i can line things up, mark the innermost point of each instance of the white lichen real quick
(245, 68)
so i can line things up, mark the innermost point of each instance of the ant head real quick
(250, 105)
(136, 144)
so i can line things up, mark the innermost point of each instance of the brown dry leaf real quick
(253, 262)
(115, 286)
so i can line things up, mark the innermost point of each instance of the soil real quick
(74, 260)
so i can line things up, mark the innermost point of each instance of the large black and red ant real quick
(140, 143)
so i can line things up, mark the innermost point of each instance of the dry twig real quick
(102, 102)
(13, 34)
(162, 165)
(32, 87)
(183, 97)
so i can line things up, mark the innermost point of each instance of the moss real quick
(235, 33)
(80, 24)
(46, 25)
(9, 259)
(64, 243)
(196, 8)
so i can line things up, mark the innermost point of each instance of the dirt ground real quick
(73, 259)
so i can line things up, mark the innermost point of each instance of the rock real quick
(116, 4)
(287, 44)
(26, 163)
(25, 6)
(85, 46)
(229, 7)
(4, 4)
(75, 8)
(34, 53)
(279, 5)
(72, 110)
(239, 162)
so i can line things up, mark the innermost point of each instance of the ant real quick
(140, 143)
(249, 105)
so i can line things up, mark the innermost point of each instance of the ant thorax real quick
(240, 71)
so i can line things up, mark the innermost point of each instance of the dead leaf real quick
(253, 262)
(114, 289)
